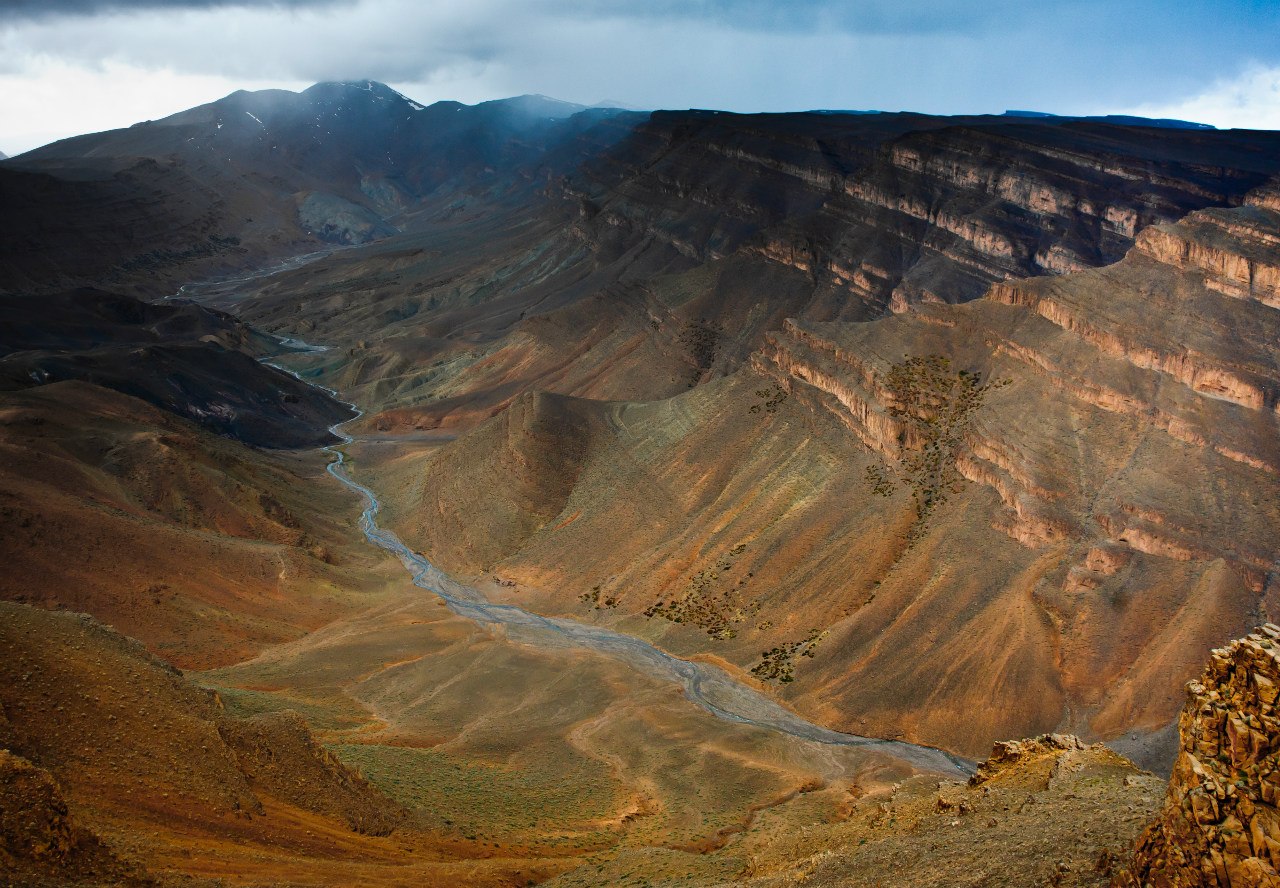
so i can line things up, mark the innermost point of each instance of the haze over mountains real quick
(949, 430)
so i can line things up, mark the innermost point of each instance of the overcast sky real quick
(73, 66)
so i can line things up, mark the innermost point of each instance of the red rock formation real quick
(1221, 825)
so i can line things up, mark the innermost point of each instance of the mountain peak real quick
(536, 105)
(377, 91)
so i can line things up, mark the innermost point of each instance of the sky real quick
(75, 66)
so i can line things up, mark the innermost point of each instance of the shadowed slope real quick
(255, 176)
(156, 768)
(197, 363)
(663, 260)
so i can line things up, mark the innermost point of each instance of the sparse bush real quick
(779, 663)
(707, 607)
(936, 406)
(771, 399)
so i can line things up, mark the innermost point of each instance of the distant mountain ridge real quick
(264, 174)
(1122, 119)
(253, 176)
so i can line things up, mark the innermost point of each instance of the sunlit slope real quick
(1113, 515)
(534, 750)
(157, 780)
(200, 546)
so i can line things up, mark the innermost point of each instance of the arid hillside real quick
(1065, 546)
(665, 260)
(117, 770)
(200, 546)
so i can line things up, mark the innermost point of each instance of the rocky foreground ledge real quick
(1220, 825)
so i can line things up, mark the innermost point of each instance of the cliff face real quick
(697, 225)
(1137, 395)
(1220, 825)
(899, 209)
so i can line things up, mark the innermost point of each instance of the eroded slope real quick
(204, 548)
(1114, 516)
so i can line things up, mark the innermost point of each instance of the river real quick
(706, 685)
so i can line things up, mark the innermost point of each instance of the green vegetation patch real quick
(771, 398)
(779, 663)
(599, 599)
(483, 800)
(701, 338)
(336, 714)
(705, 603)
(936, 405)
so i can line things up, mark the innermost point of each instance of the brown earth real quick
(1050, 811)
(41, 843)
(513, 744)
(714, 363)
(202, 547)
(479, 760)
(125, 772)
(1116, 498)
(118, 764)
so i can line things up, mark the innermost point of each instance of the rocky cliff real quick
(883, 212)
(1220, 825)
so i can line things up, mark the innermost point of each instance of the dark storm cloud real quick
(1096, 17)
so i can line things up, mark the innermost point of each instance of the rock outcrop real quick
(337, 220)
(1047, 811)
(1220, 825)
(1007, 754)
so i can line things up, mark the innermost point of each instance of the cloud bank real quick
(101, 63)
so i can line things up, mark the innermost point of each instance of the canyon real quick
(945, 431)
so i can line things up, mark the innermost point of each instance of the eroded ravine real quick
(706, 685)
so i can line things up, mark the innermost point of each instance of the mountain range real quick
(946, 430)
